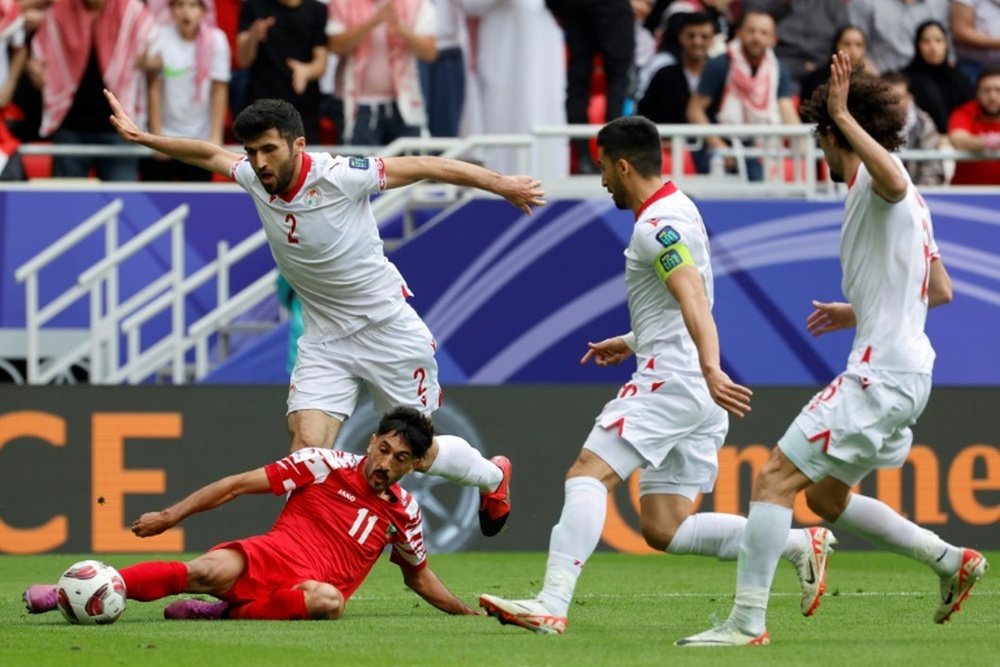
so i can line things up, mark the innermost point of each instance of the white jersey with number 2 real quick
(886, 250)
(325, 241)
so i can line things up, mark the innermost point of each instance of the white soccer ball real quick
(91, 592)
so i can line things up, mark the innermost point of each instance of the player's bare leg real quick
(214, 573)
(323, 600)
(312, 428)
(959, 568)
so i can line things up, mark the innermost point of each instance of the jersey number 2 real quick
(368, 526)
(292, 223)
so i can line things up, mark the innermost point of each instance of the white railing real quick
(110, 320)
(36, 317)
(140, 363)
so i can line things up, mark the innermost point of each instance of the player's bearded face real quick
(610, 180)
(389, 458)
(273, 160)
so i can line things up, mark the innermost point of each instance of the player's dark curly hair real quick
(872, 103)
(268, 114)
(415, 429)
(636, 140)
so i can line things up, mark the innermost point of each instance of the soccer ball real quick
(90, 592)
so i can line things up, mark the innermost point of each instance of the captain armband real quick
(671, 259)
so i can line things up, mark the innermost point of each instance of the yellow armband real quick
(671, 259)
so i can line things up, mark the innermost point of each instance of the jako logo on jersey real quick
(312, 198)
(668, 236)
(341, 492)
(358, 163)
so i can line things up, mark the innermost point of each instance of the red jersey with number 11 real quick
(334, 526)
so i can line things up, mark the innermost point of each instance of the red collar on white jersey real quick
(666, 190)
(289, 195)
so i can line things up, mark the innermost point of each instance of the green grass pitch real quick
(628, 611)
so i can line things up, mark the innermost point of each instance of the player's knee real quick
(323, 601)
(657, 536)
(825, 505)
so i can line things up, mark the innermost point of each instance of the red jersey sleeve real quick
(306, 466)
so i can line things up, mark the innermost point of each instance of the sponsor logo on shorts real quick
(358, 163)
(668, 236)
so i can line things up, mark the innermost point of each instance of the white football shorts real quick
(859, 422)
(667, 425)
(394, 358)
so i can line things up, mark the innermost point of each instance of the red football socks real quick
(154, 579)
(287, 605)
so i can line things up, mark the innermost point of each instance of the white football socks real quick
(764, 539)
(881, 525)
(573, 540)
(459, 462)
(717, 534)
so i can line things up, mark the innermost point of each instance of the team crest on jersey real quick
(668, 236)
(358, 163)
(312, 198)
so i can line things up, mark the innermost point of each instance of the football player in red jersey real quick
(342, 510)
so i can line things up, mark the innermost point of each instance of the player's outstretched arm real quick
(205, 498)
(684, 282)
(888, 180)
(203, 154)
(426, 584)
(521, 191)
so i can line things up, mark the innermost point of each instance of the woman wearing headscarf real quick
(937, 84)
(851, 40)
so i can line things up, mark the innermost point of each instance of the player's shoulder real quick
(407, 507)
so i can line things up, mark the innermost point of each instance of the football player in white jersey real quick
(861, 421)
(670, 418)
(359, 329)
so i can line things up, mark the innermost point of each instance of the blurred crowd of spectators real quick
(366, 72)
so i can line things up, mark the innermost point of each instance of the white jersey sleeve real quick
(358, 177)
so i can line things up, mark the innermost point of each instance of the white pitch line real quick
(729, 594)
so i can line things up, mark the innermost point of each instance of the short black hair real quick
(986, 73)
(871, 101)
(412, 426)
(636, 140)
(268, 114)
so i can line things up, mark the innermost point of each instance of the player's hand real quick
(829, 317)
(734, 398)
(522, 192)
(124, 125)
(258, 29)
(840, 84)
(300, 75)
(609, 352)
(152, 523)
